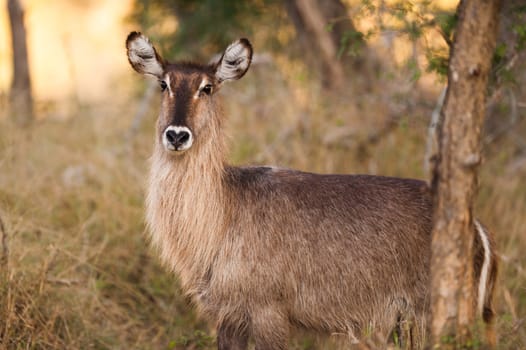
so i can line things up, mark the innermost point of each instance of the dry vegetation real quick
(80, 274)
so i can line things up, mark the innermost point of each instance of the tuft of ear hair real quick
(235, 61)
(142, 55)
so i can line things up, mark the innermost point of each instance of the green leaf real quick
(447, 22)
(438, 62)
(499, 54)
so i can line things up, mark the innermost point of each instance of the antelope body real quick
(264, 250)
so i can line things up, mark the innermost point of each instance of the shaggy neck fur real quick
(184, 207)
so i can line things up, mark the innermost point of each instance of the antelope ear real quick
(235, 61)
(142, 55)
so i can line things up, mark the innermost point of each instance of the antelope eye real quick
(163, 85)
(207, 89)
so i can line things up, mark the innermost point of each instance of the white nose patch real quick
(177, 144)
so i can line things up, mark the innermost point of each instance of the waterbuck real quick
(265, 250)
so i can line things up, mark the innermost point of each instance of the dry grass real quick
(80, 274)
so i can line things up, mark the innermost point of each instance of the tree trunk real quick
(323, 28)
(455, 174)
(20, 99)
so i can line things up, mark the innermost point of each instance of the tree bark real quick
(455, 175)
(312, 19)
(20, 98)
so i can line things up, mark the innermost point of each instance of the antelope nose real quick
(177, 138)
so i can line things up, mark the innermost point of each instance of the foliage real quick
(416, 21)
(438, 62)
(207, 25)
(350, 43)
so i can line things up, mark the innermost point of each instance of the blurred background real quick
(336, 86)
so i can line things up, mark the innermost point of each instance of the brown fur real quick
(263, 250)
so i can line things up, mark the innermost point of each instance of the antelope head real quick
(189, 113)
